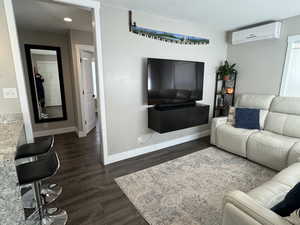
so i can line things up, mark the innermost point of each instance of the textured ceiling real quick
(48, 16)
(221, 14)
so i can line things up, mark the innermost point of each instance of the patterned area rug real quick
(189, 190)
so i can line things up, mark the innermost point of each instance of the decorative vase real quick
(226, 77)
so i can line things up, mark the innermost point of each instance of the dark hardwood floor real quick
(90, 194)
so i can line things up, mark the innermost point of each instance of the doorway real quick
(92, 7)
(88, 88)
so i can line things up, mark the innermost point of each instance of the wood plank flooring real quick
(90, 194)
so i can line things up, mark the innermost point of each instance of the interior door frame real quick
(81, 81)
(94, 7)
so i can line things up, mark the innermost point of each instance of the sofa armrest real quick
(214, 124)
(240, 209)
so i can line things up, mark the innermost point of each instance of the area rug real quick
(189, 190)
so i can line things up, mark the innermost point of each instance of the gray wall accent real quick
(7, 71)
(124, 58)
(58, 40)
(260, 63)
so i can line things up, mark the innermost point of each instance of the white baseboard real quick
(54, 131)
(80, 133)
(147, 149)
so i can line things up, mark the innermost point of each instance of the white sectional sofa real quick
(276, 145)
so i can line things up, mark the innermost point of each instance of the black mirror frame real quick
(37, 119)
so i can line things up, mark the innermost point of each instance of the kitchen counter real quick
(11, 207)
(10, 133)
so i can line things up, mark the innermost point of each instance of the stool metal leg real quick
(50, 192)
(38, 199)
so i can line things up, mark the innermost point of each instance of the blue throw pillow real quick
(290, 203)
(247, 118)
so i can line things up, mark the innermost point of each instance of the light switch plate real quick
(10, 93)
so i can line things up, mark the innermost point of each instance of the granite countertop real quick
(9, 138)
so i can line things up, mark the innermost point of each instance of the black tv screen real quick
(174, 81)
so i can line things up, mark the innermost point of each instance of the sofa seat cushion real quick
(233, 139)
(289, 176)
(270, 193)
(269, 149)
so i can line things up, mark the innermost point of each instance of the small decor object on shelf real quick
(226, 74)
(229, 90)
(165, 36)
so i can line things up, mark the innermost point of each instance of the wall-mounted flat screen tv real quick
(174, 81)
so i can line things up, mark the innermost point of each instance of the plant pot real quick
(226, 77)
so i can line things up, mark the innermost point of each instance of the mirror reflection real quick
(44, 69)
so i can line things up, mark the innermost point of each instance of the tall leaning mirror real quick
(46, 82)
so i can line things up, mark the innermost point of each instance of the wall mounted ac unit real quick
(267, 31)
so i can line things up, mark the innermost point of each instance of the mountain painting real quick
(166, 36)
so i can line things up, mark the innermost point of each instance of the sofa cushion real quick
(289, 176)
(286, 105)
(247, 118)
(294, 154)
(269, 193)
(252, 101)
(233, 139)
(284, 124)
(269, 149)
(284, 116)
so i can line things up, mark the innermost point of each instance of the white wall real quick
(125, 55)
(7, 72)
(260, 63)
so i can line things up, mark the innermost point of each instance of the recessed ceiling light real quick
(68, 19)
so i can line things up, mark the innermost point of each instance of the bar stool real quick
(31, 152)
(33, 173)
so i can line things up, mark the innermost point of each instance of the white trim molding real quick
(80, 133)
(14, 42)
(95, 6)
(54, 131)
(151, 148)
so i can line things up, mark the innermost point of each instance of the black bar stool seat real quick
(34, 149)
(39, 169)
(50, 192)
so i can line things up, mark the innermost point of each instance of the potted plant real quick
(225, 71)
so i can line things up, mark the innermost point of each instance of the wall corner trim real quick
(20, 77)
(151, 148)
(54, 131)
(80, 133)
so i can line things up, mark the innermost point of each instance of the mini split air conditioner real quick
(267, 31)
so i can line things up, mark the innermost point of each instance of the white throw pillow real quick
(231, 116)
